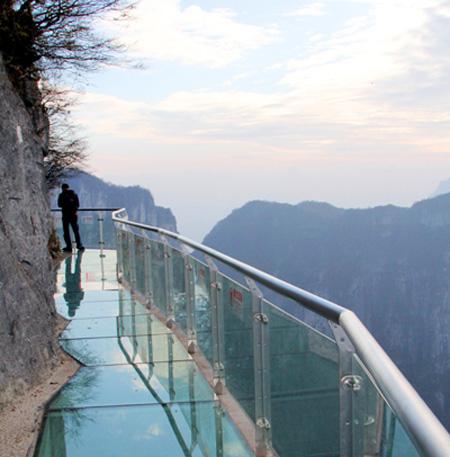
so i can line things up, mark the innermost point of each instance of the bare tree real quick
(65, 155)
(48, 35)
(40, 39)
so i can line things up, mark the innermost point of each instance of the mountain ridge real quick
(389, 264)
(139, 202)
(93, 192)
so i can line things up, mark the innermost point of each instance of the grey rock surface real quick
(27, 315)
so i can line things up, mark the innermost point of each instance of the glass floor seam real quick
(129, 405)
(105, 317)
(138, 392)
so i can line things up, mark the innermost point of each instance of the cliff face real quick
(27, 316)
(390, 265)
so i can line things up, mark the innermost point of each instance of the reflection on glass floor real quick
(139, 393)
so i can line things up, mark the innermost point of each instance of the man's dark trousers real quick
(71, 220)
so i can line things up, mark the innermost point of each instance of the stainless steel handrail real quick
(55, 210)
(319, 305)
(428, 434)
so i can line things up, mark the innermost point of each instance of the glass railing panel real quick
(304, 388)
(203, 310)
(144, 324)
(125, 255)
(139, 259)
(308, 405)
(236, 302)
(181, 381)
(395, 441)
(233, 444)
(202, 420)
(376, 429)
(94, 227)
(213, 433)
(179, 288)
(128, 309)
(154, 348)
(158, 272)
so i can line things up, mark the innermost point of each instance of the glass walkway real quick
(138, 393)
(183, 354)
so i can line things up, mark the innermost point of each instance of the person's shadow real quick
(74, 293)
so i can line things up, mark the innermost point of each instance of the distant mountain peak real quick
(442, 188)
(389, 264)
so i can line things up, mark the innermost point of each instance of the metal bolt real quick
(261, 317)
(262, 422)
(352, 382)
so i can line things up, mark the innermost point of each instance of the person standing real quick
(69, 204)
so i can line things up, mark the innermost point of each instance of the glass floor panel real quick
(140, 393)
(141, 431)
(141, 324)
(82, 310)
(161, 382)
(112, 351)
(91, 296)
(89, 268)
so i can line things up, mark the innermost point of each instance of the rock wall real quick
(27, 315)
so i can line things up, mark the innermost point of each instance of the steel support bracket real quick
(261, 368)
(351, 428)
(189, 285)
(217, 320)
(168, 283)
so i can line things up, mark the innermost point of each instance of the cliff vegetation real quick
(39, 40)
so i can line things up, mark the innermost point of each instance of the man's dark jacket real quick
(68, 202)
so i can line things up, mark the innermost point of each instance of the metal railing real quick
(366, 375)
(97, 231)
(94, 238)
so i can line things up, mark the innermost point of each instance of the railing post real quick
(261, 367)
(351, 424)
(218, 414)
(149, 343)
(168, 282)
(189, 286)
(217, 327)
(119, 254)
(132, 261)
(125, 256)
(133, 326)
(101, 218)
(148, 280)
(170, 344)
(193, 403)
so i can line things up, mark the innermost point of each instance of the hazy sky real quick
(339, 101)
